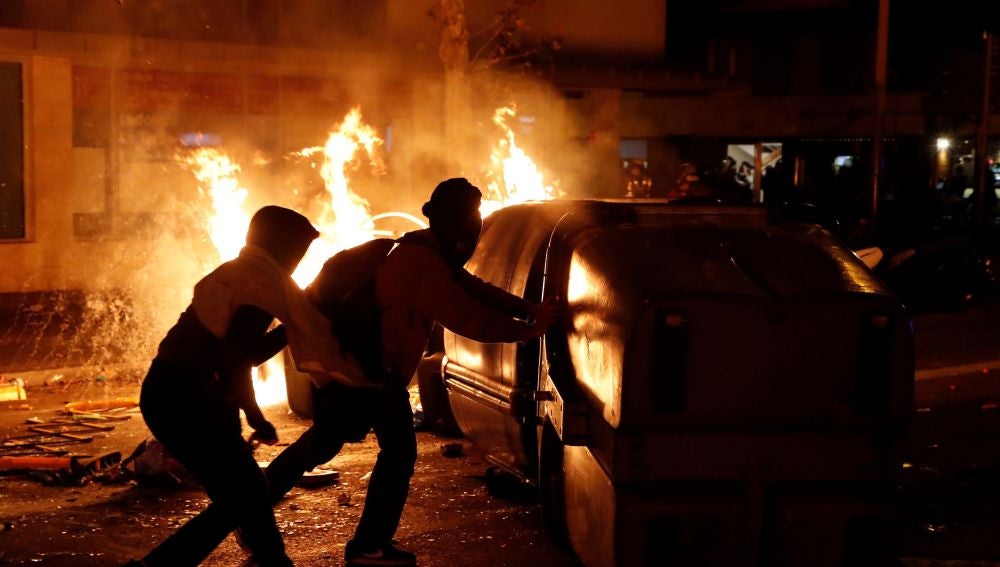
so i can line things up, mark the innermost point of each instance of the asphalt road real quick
(450, 518)
(951, 481)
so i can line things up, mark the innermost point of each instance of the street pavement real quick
(951, 479)
(950, 489)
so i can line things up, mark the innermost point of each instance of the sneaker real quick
(386, 554)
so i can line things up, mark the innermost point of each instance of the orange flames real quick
(217, 178)
(345, 219)
(514, 177)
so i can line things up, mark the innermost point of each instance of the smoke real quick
(137, 276)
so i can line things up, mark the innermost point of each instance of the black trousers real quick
(341, 414)
(345, 414)
(190, 414)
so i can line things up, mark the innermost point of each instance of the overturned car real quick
(731, 386)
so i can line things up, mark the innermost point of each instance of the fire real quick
(217, 177)
(514, 177)
(269, 382)
(345, 220)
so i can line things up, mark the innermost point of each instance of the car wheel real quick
(552, 485)
(434, 396)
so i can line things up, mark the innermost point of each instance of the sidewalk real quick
(956, 343)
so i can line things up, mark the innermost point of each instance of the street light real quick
(943, 144)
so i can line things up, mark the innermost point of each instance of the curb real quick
(971, 368)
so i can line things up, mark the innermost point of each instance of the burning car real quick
(730, 386)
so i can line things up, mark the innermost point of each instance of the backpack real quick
(344, 291)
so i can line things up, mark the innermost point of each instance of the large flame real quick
(513, 176)
(345, 220)
(217, 178)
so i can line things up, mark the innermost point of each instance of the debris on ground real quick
(417, 408)
(318, 477)
(12, 389)
(99, 406)
(55, 379)
(344, 498)
(41, 451)
(315, 478)
(49, 437)
(151, 463)
(64, 470)
(452, 450)
(502, 484)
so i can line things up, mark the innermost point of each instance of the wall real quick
(755, 117)
(144, 85)
(609, 29)
(48, 122)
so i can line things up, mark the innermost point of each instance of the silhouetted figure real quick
(200, 380)
(744, 176)
(956, 208)
(638, 183)
(989, 194)
(957, 183)
(420, 282)
(728, 188)
(688, 183)
(776, 183)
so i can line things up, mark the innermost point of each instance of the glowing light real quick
(395, 214)
(269, 382)
(943, 144)
(217, 178)
(581, 284)
(513, 176)
(345, 220)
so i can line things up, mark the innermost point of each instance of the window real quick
(11, 152)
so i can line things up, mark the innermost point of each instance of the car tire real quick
(552, 485)
(434, 396)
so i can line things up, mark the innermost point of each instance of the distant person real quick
(728, 187)
(957, 183)
(744, 176)
(777, 183)
(687, 176)
(638, 183)
(989, 194)
(200, 380)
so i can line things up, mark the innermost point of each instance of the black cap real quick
(453, 196)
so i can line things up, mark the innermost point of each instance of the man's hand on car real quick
(550, 310)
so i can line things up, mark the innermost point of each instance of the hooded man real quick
(200, 380)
